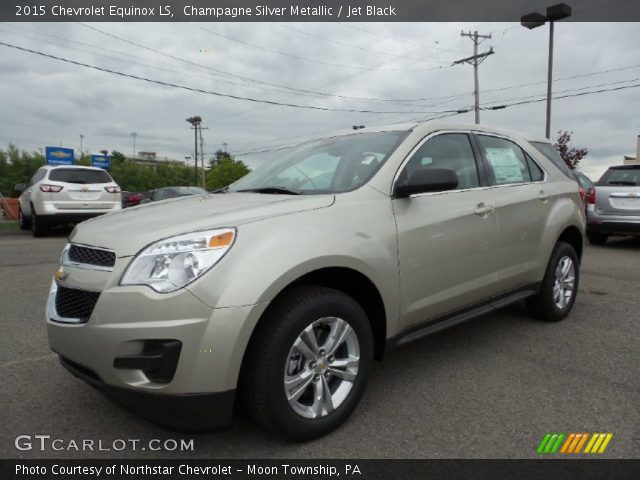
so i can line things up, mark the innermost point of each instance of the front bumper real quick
(191, 411)
(125, 319)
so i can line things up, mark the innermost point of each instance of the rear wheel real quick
(308, 363)
(23, 221)
(37, 228)
(559, 286)
(596, 238)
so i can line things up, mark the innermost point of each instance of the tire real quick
(271, 359)
(559, 286)
(37, 228)
(596, 238)
(24, 222)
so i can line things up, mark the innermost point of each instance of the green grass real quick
(9, 225)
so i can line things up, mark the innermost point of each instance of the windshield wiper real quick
(276, 190)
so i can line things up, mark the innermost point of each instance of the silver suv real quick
(283, 288)
(63, 194)
(613, 206)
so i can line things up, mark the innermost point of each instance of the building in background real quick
(633, 160)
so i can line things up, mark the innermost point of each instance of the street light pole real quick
(547, 130)
(534, 20)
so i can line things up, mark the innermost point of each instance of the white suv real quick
(63, 194)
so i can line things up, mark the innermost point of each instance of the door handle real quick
(543, 196)
(483, 210)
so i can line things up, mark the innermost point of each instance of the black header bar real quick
(308, 10)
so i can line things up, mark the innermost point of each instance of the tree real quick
(570, 154)
(220, 156)
(225, 170)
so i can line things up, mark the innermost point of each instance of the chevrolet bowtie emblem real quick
(61, 274)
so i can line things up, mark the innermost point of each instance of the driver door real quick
(447, 241)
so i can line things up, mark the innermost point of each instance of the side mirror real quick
(427, 179)
(20, 187)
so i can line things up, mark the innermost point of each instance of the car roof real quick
(430, 126)
(78, 167)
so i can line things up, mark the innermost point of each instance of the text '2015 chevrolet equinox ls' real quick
(283, 288)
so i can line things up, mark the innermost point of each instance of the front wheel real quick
(559, 286)
(308, 363)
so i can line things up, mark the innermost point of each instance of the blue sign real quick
(100, 161)
(59, 156)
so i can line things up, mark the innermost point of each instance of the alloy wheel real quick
(321, 367)
(564, 285)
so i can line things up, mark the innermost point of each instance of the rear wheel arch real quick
(573, 237)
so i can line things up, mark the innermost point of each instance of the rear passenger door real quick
(522, 207)
(446, 240)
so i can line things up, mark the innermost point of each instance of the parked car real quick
(586, 185)
(614, 204)
(65, 194)
(283, 288)
(165, 193)
(131, 199)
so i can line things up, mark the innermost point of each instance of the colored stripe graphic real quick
(572, 443)
(550, 443)
(598, 443)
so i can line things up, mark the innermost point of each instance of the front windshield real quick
(331, 165)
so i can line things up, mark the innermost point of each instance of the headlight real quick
(174, 262)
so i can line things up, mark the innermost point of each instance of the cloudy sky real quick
(400, 71)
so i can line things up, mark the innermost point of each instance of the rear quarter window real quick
(77, 175)
(552, 154)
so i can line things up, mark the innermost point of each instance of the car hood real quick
(128, 231)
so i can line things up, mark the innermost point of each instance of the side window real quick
(537, 175)
(507, 163)
(449, 150)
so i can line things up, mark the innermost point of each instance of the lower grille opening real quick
(73, 303)
(158, 360)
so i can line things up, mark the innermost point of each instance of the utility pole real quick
(81, 138)
(475, 60)
(134, 135)
(202, 156)
(195, 122)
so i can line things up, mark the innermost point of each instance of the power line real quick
(349, 45)
(452, 113)
(285, 88)
(198, 90)
(290, 55)
(388, 37)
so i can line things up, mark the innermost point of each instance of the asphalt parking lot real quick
(489, 388)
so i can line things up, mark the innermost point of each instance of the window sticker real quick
(506, 166)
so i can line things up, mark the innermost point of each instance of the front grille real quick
(72, 303)
(92, 256)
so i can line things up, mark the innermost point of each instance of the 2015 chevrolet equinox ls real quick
(283, 288)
